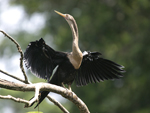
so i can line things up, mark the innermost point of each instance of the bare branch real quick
(14, 99)
(58, 104)
(35, 99)
(46, 87)
(9, 97)
(11, 76)
(21, 55)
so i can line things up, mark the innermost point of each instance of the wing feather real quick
(101, 72)
(41, 59)
(107, 73)
(95, 69)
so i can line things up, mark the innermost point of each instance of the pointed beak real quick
(61, 14)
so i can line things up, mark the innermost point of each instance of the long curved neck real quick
(76, 52)
(75, 46)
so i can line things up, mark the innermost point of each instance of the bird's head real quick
(67, 17)
(71, 21)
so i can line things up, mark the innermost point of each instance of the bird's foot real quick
(69, 87)
(63, 85)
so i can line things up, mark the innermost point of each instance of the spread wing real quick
(96, 69)
(41, 59)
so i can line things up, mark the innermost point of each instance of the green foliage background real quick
(119, 29)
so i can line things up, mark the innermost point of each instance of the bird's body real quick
(83, 68)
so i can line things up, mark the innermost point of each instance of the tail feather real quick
(42, 97)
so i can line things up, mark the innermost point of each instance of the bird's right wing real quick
(40, 59)
(95, 69)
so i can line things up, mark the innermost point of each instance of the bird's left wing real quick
(95, 69)
(41, 59)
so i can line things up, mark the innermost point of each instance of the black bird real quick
(83, 68)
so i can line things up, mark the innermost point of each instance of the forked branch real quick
(46, 87)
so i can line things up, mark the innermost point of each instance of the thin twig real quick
(21, 55)
(11, 76)
(58, 104)
(14, 99)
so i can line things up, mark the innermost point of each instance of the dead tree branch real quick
(26, 102)
(45, 87)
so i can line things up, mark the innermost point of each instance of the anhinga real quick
(83, 68)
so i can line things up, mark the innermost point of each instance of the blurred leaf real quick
(34, 112)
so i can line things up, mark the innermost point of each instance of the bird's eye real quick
(67, 17)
